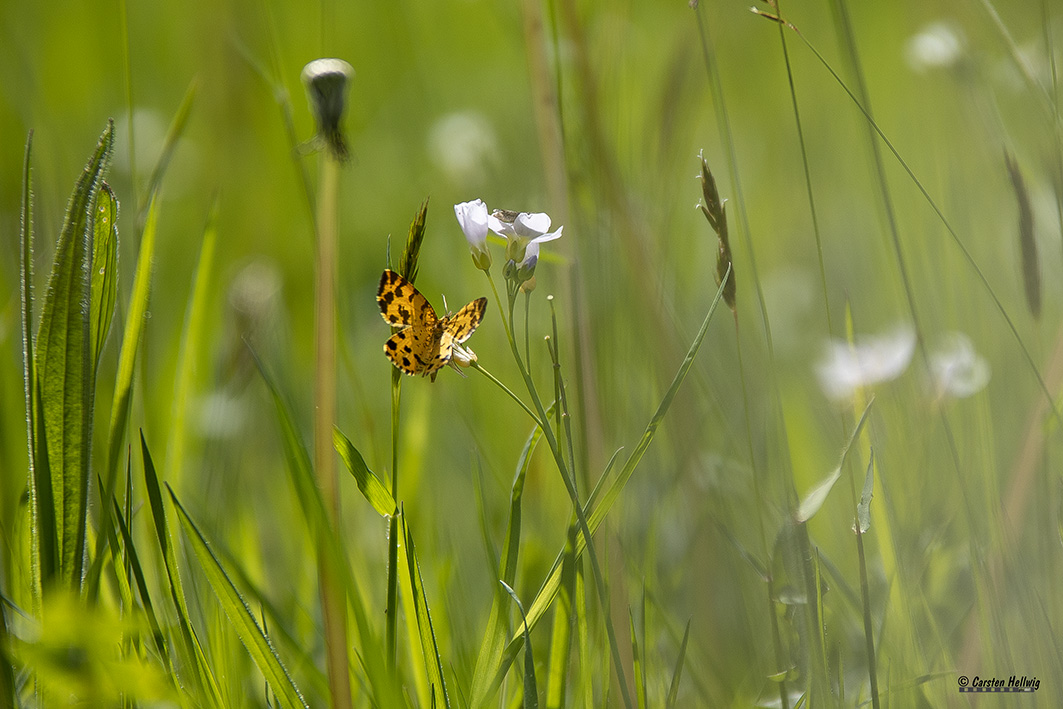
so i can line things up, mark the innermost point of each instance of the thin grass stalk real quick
(566, 477)
(953, 234)
(123, 28)
(808, 176)
(333, 603)
(392, 592)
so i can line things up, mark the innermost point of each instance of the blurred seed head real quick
(464, 145)
(956, 368)
(939, 45)
(870, 360)
(326, 86)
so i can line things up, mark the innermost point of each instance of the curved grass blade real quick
(104, 269)
(1031, 269)
(489, 659)
(123, 387)
(173, 135)
(550, 586)
(432, 662)
(43, 529)
(192, 647)
(243, 620)
(191, 345)
(65, 369)
(531, 695)
(370, 485)
(298, 458)
(673, 688)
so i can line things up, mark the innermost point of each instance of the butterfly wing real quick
(415, 350)
(402, 304)
(460, 326)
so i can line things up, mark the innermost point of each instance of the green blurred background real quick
(443, 105)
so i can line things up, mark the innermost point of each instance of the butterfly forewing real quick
(462, 324)
(402, 304)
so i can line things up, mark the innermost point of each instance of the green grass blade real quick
(673, 688)
(370, 485)
(432, 662)
(191, 346)
(637, 663)
(489, 658)
(815, 497)
(298, 458)
(173, 135)
(531, 694)
(561, 633)
(43, 529)
(142, 585)
(193, 648)
(123, 387)
(550, 586)
(65, 368)
(243, 620)
(104, 269)
(863, 508)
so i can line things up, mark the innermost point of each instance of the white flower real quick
(956, 369)
(525, 229)
(871, 360)
(472, 216)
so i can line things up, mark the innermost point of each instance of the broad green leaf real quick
(193, 649)
(432, 662)
(372, 489)
(243, 620)
(65, 368)
(489, 658)
(863, 510)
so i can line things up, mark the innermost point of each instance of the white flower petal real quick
(531, 225)
(472, 216)
(548, 237)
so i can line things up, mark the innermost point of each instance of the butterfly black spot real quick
(406, 362)
(391, 345)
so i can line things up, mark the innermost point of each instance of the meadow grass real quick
(216, 490)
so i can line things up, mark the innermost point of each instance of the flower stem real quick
(333, 603)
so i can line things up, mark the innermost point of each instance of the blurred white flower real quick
(462, 145)
(870, 360)
(939, 45)
(472, 216)
(956, 369)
